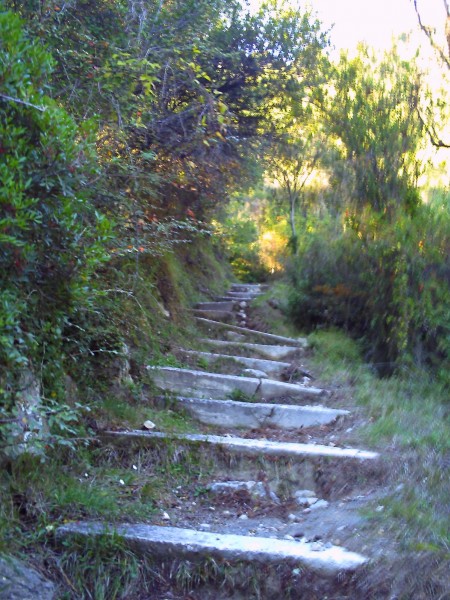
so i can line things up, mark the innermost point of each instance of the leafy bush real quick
(386, 281)
(242, 241)
(51, 238)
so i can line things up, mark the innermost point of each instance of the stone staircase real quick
(297, 495)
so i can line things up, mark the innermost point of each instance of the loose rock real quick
(306, 501)
(319, 504)
(304, 494)
(18, 581)
(235, 337)
(255, 373)
(256, 489)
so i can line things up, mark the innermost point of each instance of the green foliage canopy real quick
(51, 237)
(371, 110)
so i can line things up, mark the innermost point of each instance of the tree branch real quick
(428, 32)
(434, 138)
(18, 101)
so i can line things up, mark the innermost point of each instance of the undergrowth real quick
(136, 319)
(407, 419)
(105, 569)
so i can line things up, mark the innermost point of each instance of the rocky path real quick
(271, 489)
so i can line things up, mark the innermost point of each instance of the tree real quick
(370, 110)
(191, 84)
(294, 156)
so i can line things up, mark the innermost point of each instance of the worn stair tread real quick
(251, 446)
(298, 343)
(247, 289)
(219, 315)
(269, 366)
(221, 306)
(191, 543)
(230, 413)
(235, 299)
(217, 385)
(273, 352)
(248, 295)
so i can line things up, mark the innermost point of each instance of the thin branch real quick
(311, 168)
(24, 102)
(434, 138)
(447, 25)
(429, 34)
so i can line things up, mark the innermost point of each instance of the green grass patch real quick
(335, 354)
(240, 396)
(223, 365)
(408, 422)
(102, 568)
(128, 414)
(166, 415)
(202, 363)
(270, 309)
(105, 569)
(89, 483)
(174, 421)
(166, 360)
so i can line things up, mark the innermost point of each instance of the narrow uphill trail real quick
(273, 508)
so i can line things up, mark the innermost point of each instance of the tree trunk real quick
(294, 244)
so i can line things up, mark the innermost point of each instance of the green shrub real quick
(51, 237)
(242, 241)
(384, 280)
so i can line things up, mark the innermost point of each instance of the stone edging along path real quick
(288, 466)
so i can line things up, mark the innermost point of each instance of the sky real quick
(374, 21)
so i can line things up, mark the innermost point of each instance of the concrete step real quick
(221, 306)
(200, 384)
(243, 295)
(266, 350)
(248, 287)
(248, 446)
(252, 415)
(234, 299)
(287, 466)
(271, 367)
(173, 542)
(224, 316)
(298, 343)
